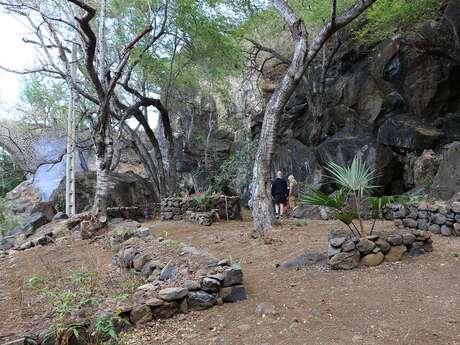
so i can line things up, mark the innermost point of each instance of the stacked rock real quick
(176, 208)
(439, 218)
(346, 253)
(202, 218)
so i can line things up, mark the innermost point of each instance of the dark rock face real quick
(126, 189)
(447, 180)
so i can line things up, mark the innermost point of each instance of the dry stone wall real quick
(176, 208)
(438, 217)
(346, 253)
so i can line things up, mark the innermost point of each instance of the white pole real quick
(71, 140)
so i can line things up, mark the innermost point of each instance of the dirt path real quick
(414, 302)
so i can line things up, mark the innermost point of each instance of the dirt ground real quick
(413, 302)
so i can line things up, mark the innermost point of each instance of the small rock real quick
(142, 232)
(396, 253)
(232, 276)
(455, 207)
(168, 272)
(439, 219)
(456, 228)
(345, 261)
(394, 240)
(210, 284)
(166, 310)
(337, 241)
(365, 246)
(192, 285)
(331, 251)
(422, 224)
(265, 309)
(446, 231)
(408, 238)
(383, 245)
(172, 293)
(147, 269)
(348, 246)
(372, 259)
(223, 262)
(141, 314)
(60, 216)
(233, 293)
(409, 223)
(200, 300)
(416, 249)
(435, 229)
(140, 260)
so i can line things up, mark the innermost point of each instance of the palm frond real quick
(318, 198)
(357, 177)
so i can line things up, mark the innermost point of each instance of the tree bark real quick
(303, 55)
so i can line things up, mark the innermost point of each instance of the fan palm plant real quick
(356, 180)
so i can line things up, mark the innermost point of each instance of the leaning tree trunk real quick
(303, 55)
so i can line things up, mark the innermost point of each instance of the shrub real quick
(8, 220)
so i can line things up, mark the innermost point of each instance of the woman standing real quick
(293, 192)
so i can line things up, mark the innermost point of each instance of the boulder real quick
(200, 300)
(141, 314)
(308, 259)
(140, 260)
(408, 238)
(383, 245)
(168, 272)
(396, 253)
(365, 246)
(372, 259)
(166, 310)
(348, 246)
(125, 189)
(394, 240)
(148, 269)
(233, 293)
(192, 285)
(425, 167)
(345, 261)
(446, 230)
(447, 180)
(60, 216)
(337, 241)
(404, 132)
(422, 224)
(435, 229)
(142, 232)
(33, 222)
(210, 284)
(172, 293)
(232, 276)
(409, 223)
(439, 219)
(456, 229)
(7, 242)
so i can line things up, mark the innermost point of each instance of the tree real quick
(303, 55)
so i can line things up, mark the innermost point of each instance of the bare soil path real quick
(413, 302)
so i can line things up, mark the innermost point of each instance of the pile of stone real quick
(438, 217)
(220, 283)
(346, 253)
(202, 218)
(227, 207)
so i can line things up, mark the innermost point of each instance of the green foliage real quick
(105, 331)
(388, 17)
(8, 219)
(43, 102)
(318, 198)
(34, 281)
(203, 201)
(10, 174)
(355, 180)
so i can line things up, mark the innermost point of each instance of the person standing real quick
(279, 193)
(293, 192)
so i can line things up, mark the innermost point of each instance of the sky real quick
(15, 54)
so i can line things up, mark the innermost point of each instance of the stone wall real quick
(176, 208)
(346, 253)
(134, 212)
(438, 217)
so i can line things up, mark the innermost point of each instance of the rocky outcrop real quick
(447, 180)
(125, 189)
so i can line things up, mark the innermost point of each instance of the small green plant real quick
(171, 244)
(131, 283)
(34, 281)
(105, 330)
(203, 201)
(300, 222)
